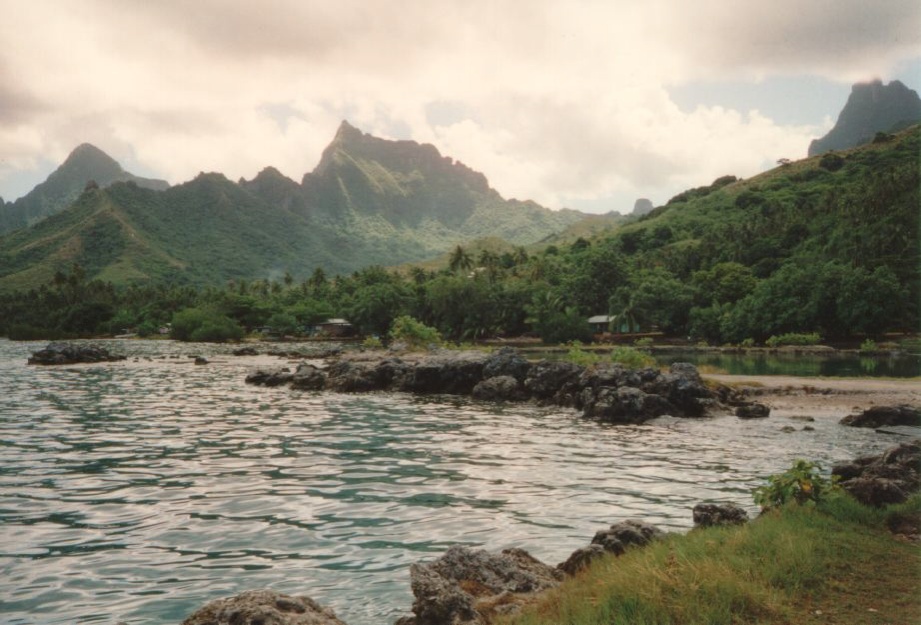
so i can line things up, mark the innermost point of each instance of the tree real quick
(460, 260)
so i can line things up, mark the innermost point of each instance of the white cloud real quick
(555, 101)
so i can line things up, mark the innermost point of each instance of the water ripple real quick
(138, 490)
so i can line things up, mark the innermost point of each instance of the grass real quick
(836, 563)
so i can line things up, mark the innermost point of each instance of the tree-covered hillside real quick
(826, 245)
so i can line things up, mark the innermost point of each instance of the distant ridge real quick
(872, 107)
(85, 164)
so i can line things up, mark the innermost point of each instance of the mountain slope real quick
(370, 201)
(871, 108)
(86, 163)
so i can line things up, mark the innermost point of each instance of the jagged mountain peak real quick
(871, 107)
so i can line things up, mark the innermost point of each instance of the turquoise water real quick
(136, 491)
(896, 365)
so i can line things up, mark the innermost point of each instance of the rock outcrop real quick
(263, 607)
(469, 586)
(882, 416)
(71, 353)
(710, 514)
(608, 393)
(889, 478)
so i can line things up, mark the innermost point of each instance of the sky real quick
(580, 104)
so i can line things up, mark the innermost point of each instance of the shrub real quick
(200, 324)
(793, 338)
(372, 342)
(803, 482)
(631, 358)
(414, 333)
(646, 341)
(831, 161)
(748, 343)
(868, 345)
(579, 356)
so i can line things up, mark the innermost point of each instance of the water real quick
(895, 365)
(137, 491)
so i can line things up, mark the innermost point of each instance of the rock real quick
(886, 479)
(245, 351)
(71, 353)
(710, 514)
(753, 411)
(882, 416)
(469, 586)
(270, 377)
(350, 376)
(581, 558)
(623, 405)
(787, 429)
(499, 388)
(453, 373)
(308, 377)
(263, 607)
(553, 380)
(506, 362)
(621, 535)
(201, 360)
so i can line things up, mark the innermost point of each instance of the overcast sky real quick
(588, 105)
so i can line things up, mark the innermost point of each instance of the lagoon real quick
(136, 491)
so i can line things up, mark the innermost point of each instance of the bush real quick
(414, 333)
(646, 341)
(748, 343)
(794, 338)
(802, 483)
(631, 358)
(372, 342)
(200, 324)
(831, 161)
(579, 356)
(868, 345)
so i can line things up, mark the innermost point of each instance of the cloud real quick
(561, 102)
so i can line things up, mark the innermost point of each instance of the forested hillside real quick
(829, 244)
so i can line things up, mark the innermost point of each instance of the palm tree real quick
(460, 260)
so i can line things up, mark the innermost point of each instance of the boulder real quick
(263, 607)
(275, 376)
(469, 586)
(499, 388)
(245, 351)
(553, 380)
(581, 558)
(753, 410)
(506, 362)
(710, 514)
(684, 389)
(621, 535)
(71, 353)
(623, 405)
(889, 478)
(350, 376)
(453, 373)
(882, 416)
(308, 377)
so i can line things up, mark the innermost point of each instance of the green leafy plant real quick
(794, 338)
(748, 343)
(802, 483)
(868, 345)
(581, 357)
(414, 333)
(631, 358)
(646, 341)
(372, 342)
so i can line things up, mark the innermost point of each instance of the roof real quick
(335, 322)
(600, 319)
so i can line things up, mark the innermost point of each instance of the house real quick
(600, 323)
(335, 328)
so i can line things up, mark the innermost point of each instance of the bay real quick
(136, 491)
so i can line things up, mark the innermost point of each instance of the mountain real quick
(84, 165)
(871, 108)
(370, 201)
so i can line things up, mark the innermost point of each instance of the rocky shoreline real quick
(468, 586)
(607, 392)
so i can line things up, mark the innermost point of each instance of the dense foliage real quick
(818, 248)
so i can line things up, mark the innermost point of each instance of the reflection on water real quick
(896, 365)
(138, 490)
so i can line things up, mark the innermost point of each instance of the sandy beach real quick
(823, 397)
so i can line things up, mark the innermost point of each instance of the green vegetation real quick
(802, 483)
(797, 253)
(832, 561)
(631, 358)
(794, 338)
(868, 345)
(203, 324)
(414, 334)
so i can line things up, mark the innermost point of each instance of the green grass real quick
(837, 559)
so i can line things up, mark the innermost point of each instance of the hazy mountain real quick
(872, 107)
(84, 165)
(369, 201)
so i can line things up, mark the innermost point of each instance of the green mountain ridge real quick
(370, 201)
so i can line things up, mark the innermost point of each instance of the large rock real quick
(753, 410)
(275, 376)
(885, 479)
(623, 405)
(553, 381)
(71, 353)
(308, 377)
(350, 375)
(627, 533)
(470, 586)
(454, 373)
(506, 362)
(710, 514)
(684, 389)
(882, 416)
(581, 558)
(499, 388)
(263, 607)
